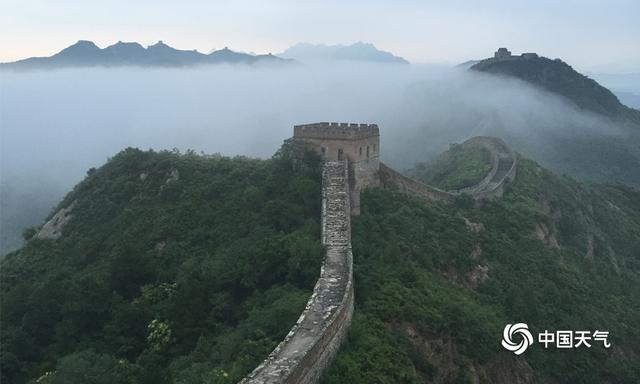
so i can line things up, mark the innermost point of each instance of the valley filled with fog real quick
(55, 125)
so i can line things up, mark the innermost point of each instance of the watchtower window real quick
(340, 155)
(367, 151)
(324, 152)
(360, 151)
(374, 148)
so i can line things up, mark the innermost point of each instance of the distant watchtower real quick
(357, 143)
(502, 53)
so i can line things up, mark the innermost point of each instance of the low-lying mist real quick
(54, 125)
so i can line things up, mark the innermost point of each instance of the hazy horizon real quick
(593, 35)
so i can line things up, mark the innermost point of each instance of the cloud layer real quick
(57, 124)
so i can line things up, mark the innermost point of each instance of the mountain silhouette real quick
(359, 51)
(86, 54)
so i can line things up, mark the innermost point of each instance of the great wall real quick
(503, 170)
(351, 163)
(315, 338)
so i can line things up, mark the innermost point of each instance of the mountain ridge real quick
(556, 76)
(359, 51)
(205, 289)
(85, 53)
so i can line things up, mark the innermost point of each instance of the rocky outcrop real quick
(315, 338)
(542, 233)
(52, 229)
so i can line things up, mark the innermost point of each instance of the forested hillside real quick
(559, 77)
(436, 284)
(608, 154)
(188, 268)
(173, 268)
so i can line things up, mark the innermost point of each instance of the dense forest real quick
(186, 268)
(436, 283)
(174, 268)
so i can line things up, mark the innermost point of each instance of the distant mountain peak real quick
(159, 44)
(81, 45)
(362, 43)
(85, 43)
(82, 52)
(125, 45)
(556, 76)
(358, 51)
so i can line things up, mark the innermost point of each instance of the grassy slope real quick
(424, 313)
(457, 168)
(158, 280)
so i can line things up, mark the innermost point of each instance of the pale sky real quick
(592, 35)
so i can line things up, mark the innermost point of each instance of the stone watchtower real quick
(502, 53)
(359, 144)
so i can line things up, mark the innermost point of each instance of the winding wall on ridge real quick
(503, 170)
(315, 338)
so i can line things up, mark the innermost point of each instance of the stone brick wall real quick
(390, 178)
(314, 340)
(316, 337)
(339, 131)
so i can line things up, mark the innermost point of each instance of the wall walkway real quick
(314, 340)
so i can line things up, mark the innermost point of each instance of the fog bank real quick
(54, 125)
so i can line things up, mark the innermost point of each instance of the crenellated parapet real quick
(357, 143)
(335, 131)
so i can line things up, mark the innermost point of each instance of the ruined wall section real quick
(315, 339)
